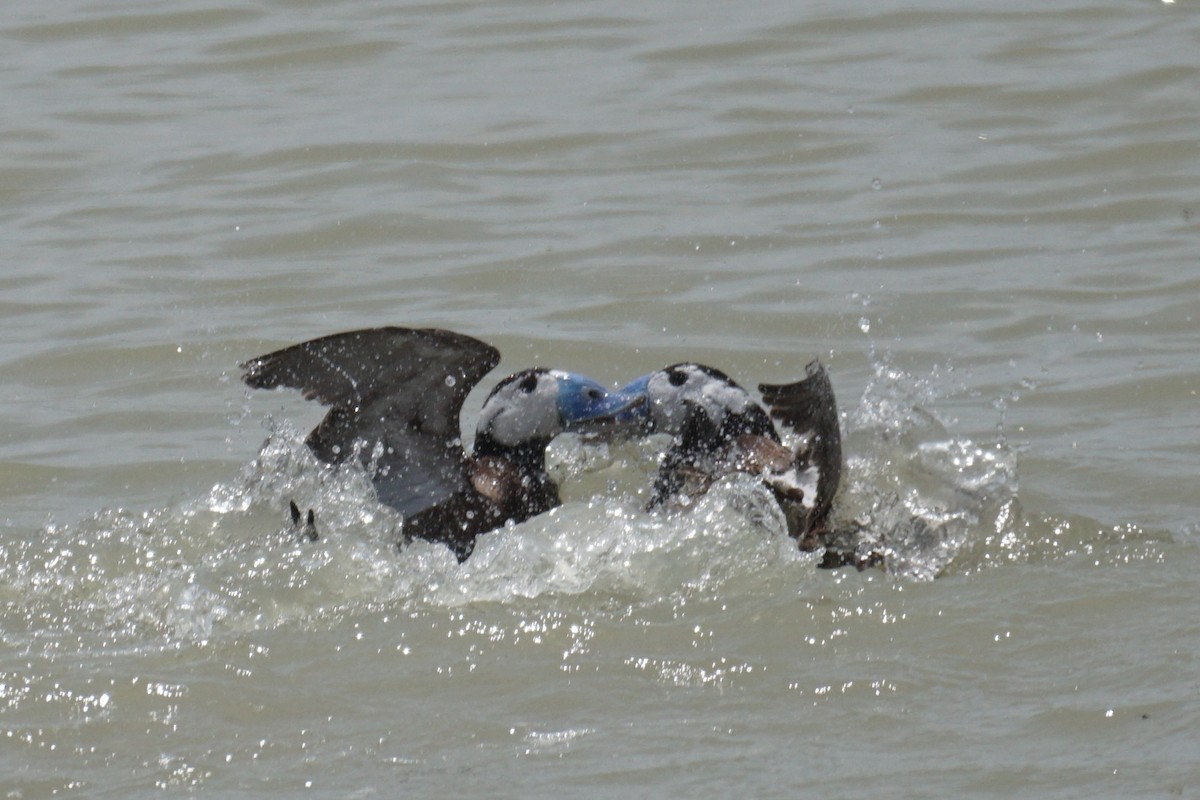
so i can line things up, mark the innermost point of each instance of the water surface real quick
(983, 221)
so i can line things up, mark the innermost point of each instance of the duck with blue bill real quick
(395, 396)
(718, 428)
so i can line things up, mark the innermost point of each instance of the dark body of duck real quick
(718, 429)
(395, 397)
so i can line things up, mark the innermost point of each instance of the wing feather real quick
(395, 396)
(808, 407)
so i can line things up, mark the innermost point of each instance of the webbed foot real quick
(304, 526)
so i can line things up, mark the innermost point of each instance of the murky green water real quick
(984, 221)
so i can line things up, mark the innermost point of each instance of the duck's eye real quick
(594, 394)
(528, 384)
(677, 378)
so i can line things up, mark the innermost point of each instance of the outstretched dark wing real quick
(808, 408)
(395, 395)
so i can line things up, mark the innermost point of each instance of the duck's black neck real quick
(537, 493)
(527, 456)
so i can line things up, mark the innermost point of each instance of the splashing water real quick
(935, 503)
(227, 562)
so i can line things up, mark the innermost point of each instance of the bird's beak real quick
(587, 407)
(636, 419)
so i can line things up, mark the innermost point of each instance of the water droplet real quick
(876, 184)
(450, 381)
(864, 325)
